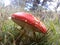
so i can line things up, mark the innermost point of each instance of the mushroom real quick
(28, 21)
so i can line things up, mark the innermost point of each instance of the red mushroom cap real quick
(30, 19)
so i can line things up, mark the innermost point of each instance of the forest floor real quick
(11, 33)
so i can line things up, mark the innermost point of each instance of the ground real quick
(12, 34)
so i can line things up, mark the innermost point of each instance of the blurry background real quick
(47, 4)
(48, 11)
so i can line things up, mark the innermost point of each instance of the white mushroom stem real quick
(28, 28)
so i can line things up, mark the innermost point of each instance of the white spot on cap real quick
(36, 19)
(36, 23)
(25, 20)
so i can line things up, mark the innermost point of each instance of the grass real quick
(12, 34)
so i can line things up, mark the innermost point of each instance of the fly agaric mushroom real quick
(28, 21)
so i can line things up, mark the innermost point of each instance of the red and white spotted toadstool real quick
(28, 21)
